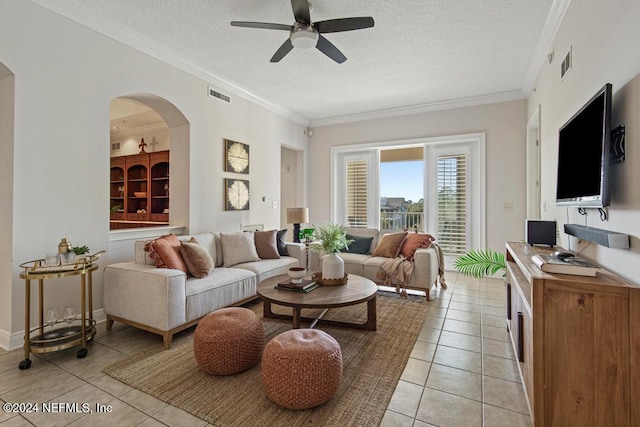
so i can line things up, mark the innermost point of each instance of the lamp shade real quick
(297, 215)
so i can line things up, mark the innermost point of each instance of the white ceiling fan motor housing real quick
(304, 36)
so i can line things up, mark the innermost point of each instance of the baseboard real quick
(9, 342)
(15, 341)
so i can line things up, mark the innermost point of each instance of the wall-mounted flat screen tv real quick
(583, 154)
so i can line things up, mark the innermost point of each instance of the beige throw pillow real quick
(199, 262)
(390, 244)
(266, 245)
(238, 248)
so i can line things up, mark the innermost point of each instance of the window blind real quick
(357, 193)
(452, 203)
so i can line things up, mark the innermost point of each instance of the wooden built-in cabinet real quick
(140, 190)
(577, 342)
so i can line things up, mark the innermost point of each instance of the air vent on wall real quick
(115, 146)
(219, 95)
(566, 64)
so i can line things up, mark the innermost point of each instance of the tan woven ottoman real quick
(228, 341)
(301, 368)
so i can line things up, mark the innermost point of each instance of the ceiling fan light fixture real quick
(304, 38)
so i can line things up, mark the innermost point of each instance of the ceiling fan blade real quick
(343, 24)
(282, 51)
(301, 11)
(326, 47)
(262, 25)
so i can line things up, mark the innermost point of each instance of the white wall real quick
(604, 39)
(505, 128)
(66, 76)
(7, 82)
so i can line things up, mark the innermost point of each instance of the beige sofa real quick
(165, 301)
(426, 262)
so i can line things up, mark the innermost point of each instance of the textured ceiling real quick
(419, 52)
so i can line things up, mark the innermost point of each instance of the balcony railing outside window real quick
(395, 220)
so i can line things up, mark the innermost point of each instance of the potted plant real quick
(330, 239)
(80, 250)
(306, 235)
(480, 263)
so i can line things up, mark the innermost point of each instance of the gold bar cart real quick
(35, 340)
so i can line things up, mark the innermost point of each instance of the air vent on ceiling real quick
(219, 95)
(566, 64)
(115, 146)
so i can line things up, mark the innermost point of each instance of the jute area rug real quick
(373, 363)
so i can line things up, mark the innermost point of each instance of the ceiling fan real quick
(304, 34)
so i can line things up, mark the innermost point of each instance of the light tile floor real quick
(461, 372)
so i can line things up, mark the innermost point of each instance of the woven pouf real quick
(301, 368)
(228, 341)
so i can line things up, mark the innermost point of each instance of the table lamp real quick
(297, 216)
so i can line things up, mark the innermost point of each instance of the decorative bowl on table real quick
(317, 277)
(296, 274)
(140, 193)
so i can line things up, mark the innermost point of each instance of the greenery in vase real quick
(330, 238)
(306, 234)
(80, 250)
(480, 263)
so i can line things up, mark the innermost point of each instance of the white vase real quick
(332, 266)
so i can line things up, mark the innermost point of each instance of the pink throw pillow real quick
(165, 251)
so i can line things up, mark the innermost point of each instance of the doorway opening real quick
(149, 151)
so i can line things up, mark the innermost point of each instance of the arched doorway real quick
(163, 127)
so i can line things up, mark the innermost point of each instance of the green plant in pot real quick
(306, 234)
(330, 239)
(481, 262)
(80, 250)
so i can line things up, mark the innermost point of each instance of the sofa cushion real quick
(238, 248)
(390, 244)
(165, 251)
(353, 263)
(218, 245)
(360, 245)
(206, 240)
(266, 246)
(282, 245)
(197, 259)
(366, 232)
(415, 241)
(268, 267)
(222, 288)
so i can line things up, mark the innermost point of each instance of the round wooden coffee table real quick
(357, 290)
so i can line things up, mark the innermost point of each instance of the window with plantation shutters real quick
(453, 183)
(452, 205)
(357, 201)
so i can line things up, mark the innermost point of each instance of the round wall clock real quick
(237, 157)
(237, 194)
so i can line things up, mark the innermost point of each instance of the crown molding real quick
(133, 39)
(472, 101)
(547, 37)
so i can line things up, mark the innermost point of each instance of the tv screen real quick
(583, 154)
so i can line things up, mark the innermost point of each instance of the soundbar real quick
(610, 239)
